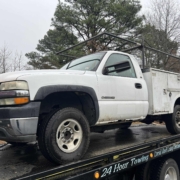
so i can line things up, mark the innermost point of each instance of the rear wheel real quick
(65, 137)
(173, 121)
(166, 170)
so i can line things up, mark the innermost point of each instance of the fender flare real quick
(47, 90)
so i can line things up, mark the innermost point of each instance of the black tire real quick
(41, 135)
(126, 125)
(143, 172)
(164, 168)
(57, 131)
(173, 120)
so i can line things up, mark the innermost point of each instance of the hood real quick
(11, 76)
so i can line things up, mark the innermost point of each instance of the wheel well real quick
(177, 102)
(60, 100)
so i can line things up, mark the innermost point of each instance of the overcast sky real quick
(24, 22)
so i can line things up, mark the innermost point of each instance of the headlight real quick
(14, 85)
(14, 93)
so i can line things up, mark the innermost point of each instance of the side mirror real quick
(119, 67)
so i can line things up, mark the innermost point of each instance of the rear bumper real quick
(19, 124)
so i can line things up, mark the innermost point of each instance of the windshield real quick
(86, 63)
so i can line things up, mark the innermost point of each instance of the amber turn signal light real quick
(21, 100)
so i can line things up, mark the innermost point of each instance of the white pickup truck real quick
(58, 107)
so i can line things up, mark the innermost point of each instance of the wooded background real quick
(77, 20)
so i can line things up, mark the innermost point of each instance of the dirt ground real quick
(2, 142)
(155, 122)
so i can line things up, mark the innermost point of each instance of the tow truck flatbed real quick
(105, 149)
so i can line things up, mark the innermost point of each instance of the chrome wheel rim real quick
(177, 118)
(170, 174)
(69, 135)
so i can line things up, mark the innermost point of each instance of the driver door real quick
(117, 91)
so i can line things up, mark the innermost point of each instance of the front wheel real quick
(173, 121)
(66, 136)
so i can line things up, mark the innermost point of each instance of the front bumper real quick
(19, 123)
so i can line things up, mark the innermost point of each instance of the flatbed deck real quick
(17, 161)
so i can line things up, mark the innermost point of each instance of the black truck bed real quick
(16, 161)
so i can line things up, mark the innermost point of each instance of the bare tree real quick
(5, 58)
(164, 16)
(17, 62)
(10, 61)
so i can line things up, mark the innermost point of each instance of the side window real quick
(117, 58)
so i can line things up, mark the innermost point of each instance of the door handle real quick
(138, 86)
